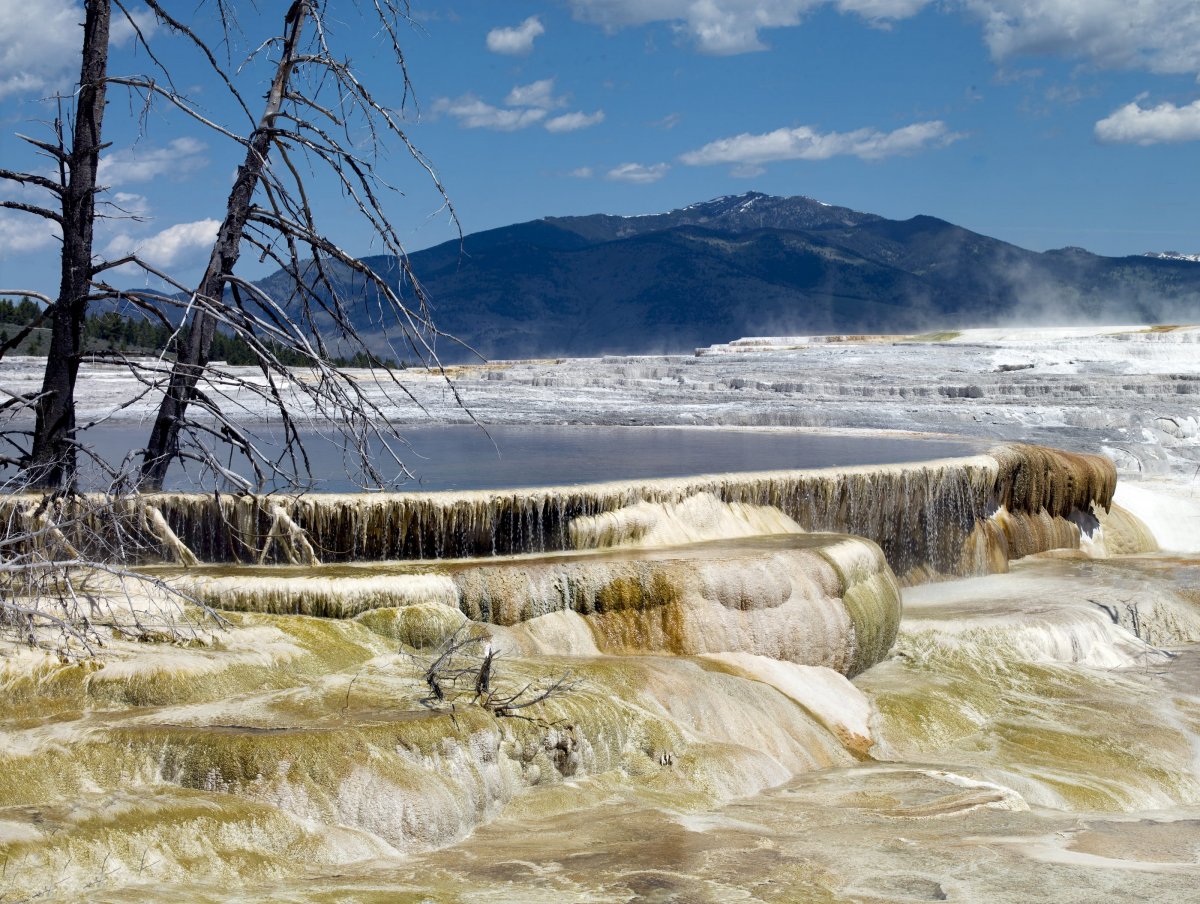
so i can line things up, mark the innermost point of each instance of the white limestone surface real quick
(1132, 392)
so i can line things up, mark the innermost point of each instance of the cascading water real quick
(920, 514)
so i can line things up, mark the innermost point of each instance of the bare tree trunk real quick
(193, 357)
(52, 460)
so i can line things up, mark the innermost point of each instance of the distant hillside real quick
(111, 335)
(755, 264)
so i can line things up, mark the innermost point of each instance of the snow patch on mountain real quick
(1173, 256)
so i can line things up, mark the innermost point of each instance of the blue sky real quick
(1042, 122)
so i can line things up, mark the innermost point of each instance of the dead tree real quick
(313, 108)
(464, 670)
(193, 354)
(316, 114)
(52, 458)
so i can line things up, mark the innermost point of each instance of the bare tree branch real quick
(31, 179)
(9, 344)
(33, 209)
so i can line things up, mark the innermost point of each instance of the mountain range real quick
(754, 264)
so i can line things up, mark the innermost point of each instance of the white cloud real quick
(1159, 35)
(40, 43)
(473, 113)
(1135, 124)
(142, 163)
(805, 143)
(21, 233)
(39, 48)
(582, 172)
(127, 204)
(518, 40)
(180, 245)
(717, 26)
(882, 10)
(637, 173)
(572, 122)
(729, 26)
(122, 29)
(536, 94)
(525, 105)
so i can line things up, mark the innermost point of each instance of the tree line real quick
(112, 332)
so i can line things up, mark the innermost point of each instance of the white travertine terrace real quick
(1028, 731)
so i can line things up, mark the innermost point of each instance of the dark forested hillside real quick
(755, 264)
